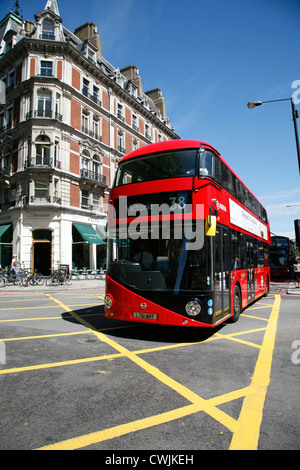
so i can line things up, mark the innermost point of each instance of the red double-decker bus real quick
(188, 243)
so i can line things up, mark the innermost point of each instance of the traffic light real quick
(297, 231)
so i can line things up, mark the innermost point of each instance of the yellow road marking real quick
(59, 364)
(195, 399)
(254, 317)
(48, 306)
(254, 394)
(13, 320)
(45, 336)
(133, 426)
(247, 434)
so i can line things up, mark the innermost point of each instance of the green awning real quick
(102, 232)
(3, 229)
(88, 233)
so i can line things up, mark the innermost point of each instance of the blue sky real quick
(209, 58)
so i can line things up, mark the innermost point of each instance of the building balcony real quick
(41, 200)
(6, 128)
(93, 176)
(47, 36)
(44, 114)
(91, 97)
(40, 163)
(93, 134)
(121, 149)
(92, 207)
(120, 116)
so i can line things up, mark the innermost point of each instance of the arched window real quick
(42, 151)
(48, 30)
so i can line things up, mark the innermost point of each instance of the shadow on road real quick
(94, 316)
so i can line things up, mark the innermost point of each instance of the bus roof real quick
(178, 144)
(165, 146)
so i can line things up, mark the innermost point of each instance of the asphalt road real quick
(72, 379)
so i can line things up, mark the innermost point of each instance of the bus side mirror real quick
(210, 226)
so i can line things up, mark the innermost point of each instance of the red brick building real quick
(68, 118)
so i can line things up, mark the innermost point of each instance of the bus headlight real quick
(193, 307)
(108, 302)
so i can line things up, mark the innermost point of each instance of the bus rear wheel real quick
(236, 304)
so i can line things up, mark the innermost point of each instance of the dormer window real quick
(48, 30)
(10, 39)
(91, 55)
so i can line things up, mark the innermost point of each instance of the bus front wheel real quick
(236, 304)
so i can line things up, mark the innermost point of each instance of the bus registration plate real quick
(145, 316)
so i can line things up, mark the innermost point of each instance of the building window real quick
(120, 112)
(90, 55)
(9, 118)
(44, 105)
(48, 30)
(85, 87)
(41, 190)
(56, 154)
(96, 128)
(1, 121)
(135, 122)
(85, 122)
(11, 81)
(42, 151)
(96, 168)
(46, 68)
(84, 164)
(121, 147)
(96, 95)
(57, 107)
(96, 201)
(147, 131)
(84, 199)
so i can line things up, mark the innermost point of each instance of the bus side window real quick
(218, 175)
(227, 181)
(206, 163)
(235, 251)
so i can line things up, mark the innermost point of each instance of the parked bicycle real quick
(2, 279)
(34, 279)
(58, 277)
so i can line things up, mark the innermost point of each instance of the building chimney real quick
(157, 98)
(131, 72)
(88, 31)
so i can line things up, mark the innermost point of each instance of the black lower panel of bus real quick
(177, 302)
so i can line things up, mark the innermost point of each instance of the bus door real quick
(221, 273)
(250, 269)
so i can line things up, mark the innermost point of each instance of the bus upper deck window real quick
(206, 163)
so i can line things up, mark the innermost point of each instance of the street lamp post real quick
(253, 104)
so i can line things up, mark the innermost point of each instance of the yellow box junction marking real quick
(245, 429)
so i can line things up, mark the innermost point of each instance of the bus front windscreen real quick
(159, 264)
(156, 167)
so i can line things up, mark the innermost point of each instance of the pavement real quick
(77, 284)
(292, 289)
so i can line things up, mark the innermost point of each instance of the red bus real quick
(188, 243)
